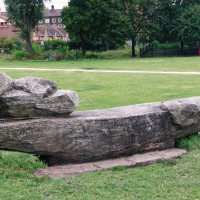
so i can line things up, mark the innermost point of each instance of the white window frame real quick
(47, 20)
(54, 20)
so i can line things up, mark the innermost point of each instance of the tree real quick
(166, 14)
(188, 24)
(108, 23)
(25, 14)
(74, 17)
(140, 14)
(96, 21)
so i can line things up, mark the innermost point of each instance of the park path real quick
(102, 71)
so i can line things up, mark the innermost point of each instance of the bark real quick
(29, 46)
(133, 48)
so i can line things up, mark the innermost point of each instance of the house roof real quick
(7, 31)
(47, 13)
(3, 17)
(52, 13)
(3, 14)
(51, 30)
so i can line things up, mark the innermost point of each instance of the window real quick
(59, 20)
(54, 20)
(40, 22)
(47, 21)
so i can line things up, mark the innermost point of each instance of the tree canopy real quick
(25, 15)
(142, 21)
(96, 20)
(188, 24)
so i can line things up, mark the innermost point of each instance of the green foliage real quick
(37, 48)
(55, 56)
(188, 24)
(190, 143)
(115, 54)
(166, 13)
(26, 15)
(96, 21)
(169, 180)
(166, 45)
(7, 57)
(56, 44)
(73, 54)
(9, 44)
(20, 55)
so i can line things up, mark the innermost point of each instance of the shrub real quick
(73, 54)
(55, 44)
(7, 57)
(20, 55)
(166, 45)
(37, 48)
(55, 56)
(9, 44)
(91, 55)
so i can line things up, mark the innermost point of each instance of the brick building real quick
(50, 27)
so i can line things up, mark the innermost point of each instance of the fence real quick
(150, 51)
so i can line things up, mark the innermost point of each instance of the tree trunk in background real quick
(182, 45)
(83, 48)
(107, 47)
(29, 47)
(133, 48)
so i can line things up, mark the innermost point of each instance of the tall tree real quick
(75, 18)
(96, 21)
(166, 13)
(188, 24)
(25, 14)
(140, 14)
(108, 22)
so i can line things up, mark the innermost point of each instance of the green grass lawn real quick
(169, 180)
(152, 64)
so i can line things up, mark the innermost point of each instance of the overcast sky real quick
(56, 3)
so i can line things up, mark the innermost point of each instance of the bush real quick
(7, 57)
(37, 48)
(91, 55)
(9, 44)
(55, 56)
(166, 45)
(20, 55)
(73, 54)
(55, 44)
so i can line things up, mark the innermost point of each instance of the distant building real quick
(52, 17)
(6, 29)
(50, 27)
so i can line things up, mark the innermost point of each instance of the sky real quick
(56, 3)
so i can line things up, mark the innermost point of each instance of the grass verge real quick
(170, 180)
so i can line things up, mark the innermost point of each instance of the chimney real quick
(52, 8)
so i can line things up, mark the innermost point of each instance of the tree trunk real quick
(133, 48)
(107, 47)
(29, 47)
(83, 45)
(83, 48)
(182, 44)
